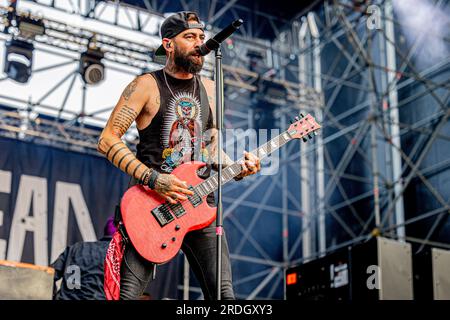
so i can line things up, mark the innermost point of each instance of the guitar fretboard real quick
(212, 183)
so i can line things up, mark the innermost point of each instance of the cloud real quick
(428, 24)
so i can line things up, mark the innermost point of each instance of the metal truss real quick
(215, 12)
(38, 121)
(370, 65)
(376, 69)
(311, 191)
(126, 56)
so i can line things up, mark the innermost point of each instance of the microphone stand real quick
(214, 44)
(219, 217)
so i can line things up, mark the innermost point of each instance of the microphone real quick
(214, 43)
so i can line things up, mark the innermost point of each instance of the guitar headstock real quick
(303, 127)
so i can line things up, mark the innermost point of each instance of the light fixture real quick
(18, 60)
(91, 68)
(30, 27)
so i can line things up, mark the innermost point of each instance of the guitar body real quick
(157, 228)
(158, 241)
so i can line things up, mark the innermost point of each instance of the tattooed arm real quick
(130, 105)
(212, 151)
(138, 102)
(212, 133)
(251, 163)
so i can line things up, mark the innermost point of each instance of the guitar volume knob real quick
(177, 227)
(164, 245)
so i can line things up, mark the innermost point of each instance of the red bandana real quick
(113, 261)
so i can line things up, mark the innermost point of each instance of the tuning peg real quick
(304, 139)
(291, 120)
(315, 133)
(297, 118)
(309, 136)
(301, 115)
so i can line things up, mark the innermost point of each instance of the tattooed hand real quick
(171, 188)
(250, 165)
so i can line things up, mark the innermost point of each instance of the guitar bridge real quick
(162, 214)
(177, 209)
(195, 199)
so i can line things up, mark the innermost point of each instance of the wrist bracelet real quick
(152, 179)
(144, 178)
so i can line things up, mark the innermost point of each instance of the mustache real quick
(194, 53)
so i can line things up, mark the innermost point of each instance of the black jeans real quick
(199, 246)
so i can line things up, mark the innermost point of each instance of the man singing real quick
(173, 108)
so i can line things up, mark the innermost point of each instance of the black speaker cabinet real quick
(378, 269)
(326, 278)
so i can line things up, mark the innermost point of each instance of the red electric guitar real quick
(157, 228)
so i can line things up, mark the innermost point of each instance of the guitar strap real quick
(118, 222)
(117, 215)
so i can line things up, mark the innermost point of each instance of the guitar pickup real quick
(195, 199)
(177, 209)
(162, 214)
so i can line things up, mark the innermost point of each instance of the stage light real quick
(230, 44)
(91, 68)
(18, 60)
(30, 27)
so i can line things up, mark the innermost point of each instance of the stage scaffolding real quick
(320, 58)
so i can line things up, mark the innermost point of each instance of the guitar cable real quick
(134, 274)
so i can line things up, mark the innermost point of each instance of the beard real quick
(187, 62)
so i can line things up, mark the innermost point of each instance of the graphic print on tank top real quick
(181, 133)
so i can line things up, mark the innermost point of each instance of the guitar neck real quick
(227, 174)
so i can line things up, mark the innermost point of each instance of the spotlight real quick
(30, 27)
(230, 44)
(91, 68)
(18, 60)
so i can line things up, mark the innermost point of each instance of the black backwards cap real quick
(175, 24)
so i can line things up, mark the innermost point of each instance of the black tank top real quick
(176, 133)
